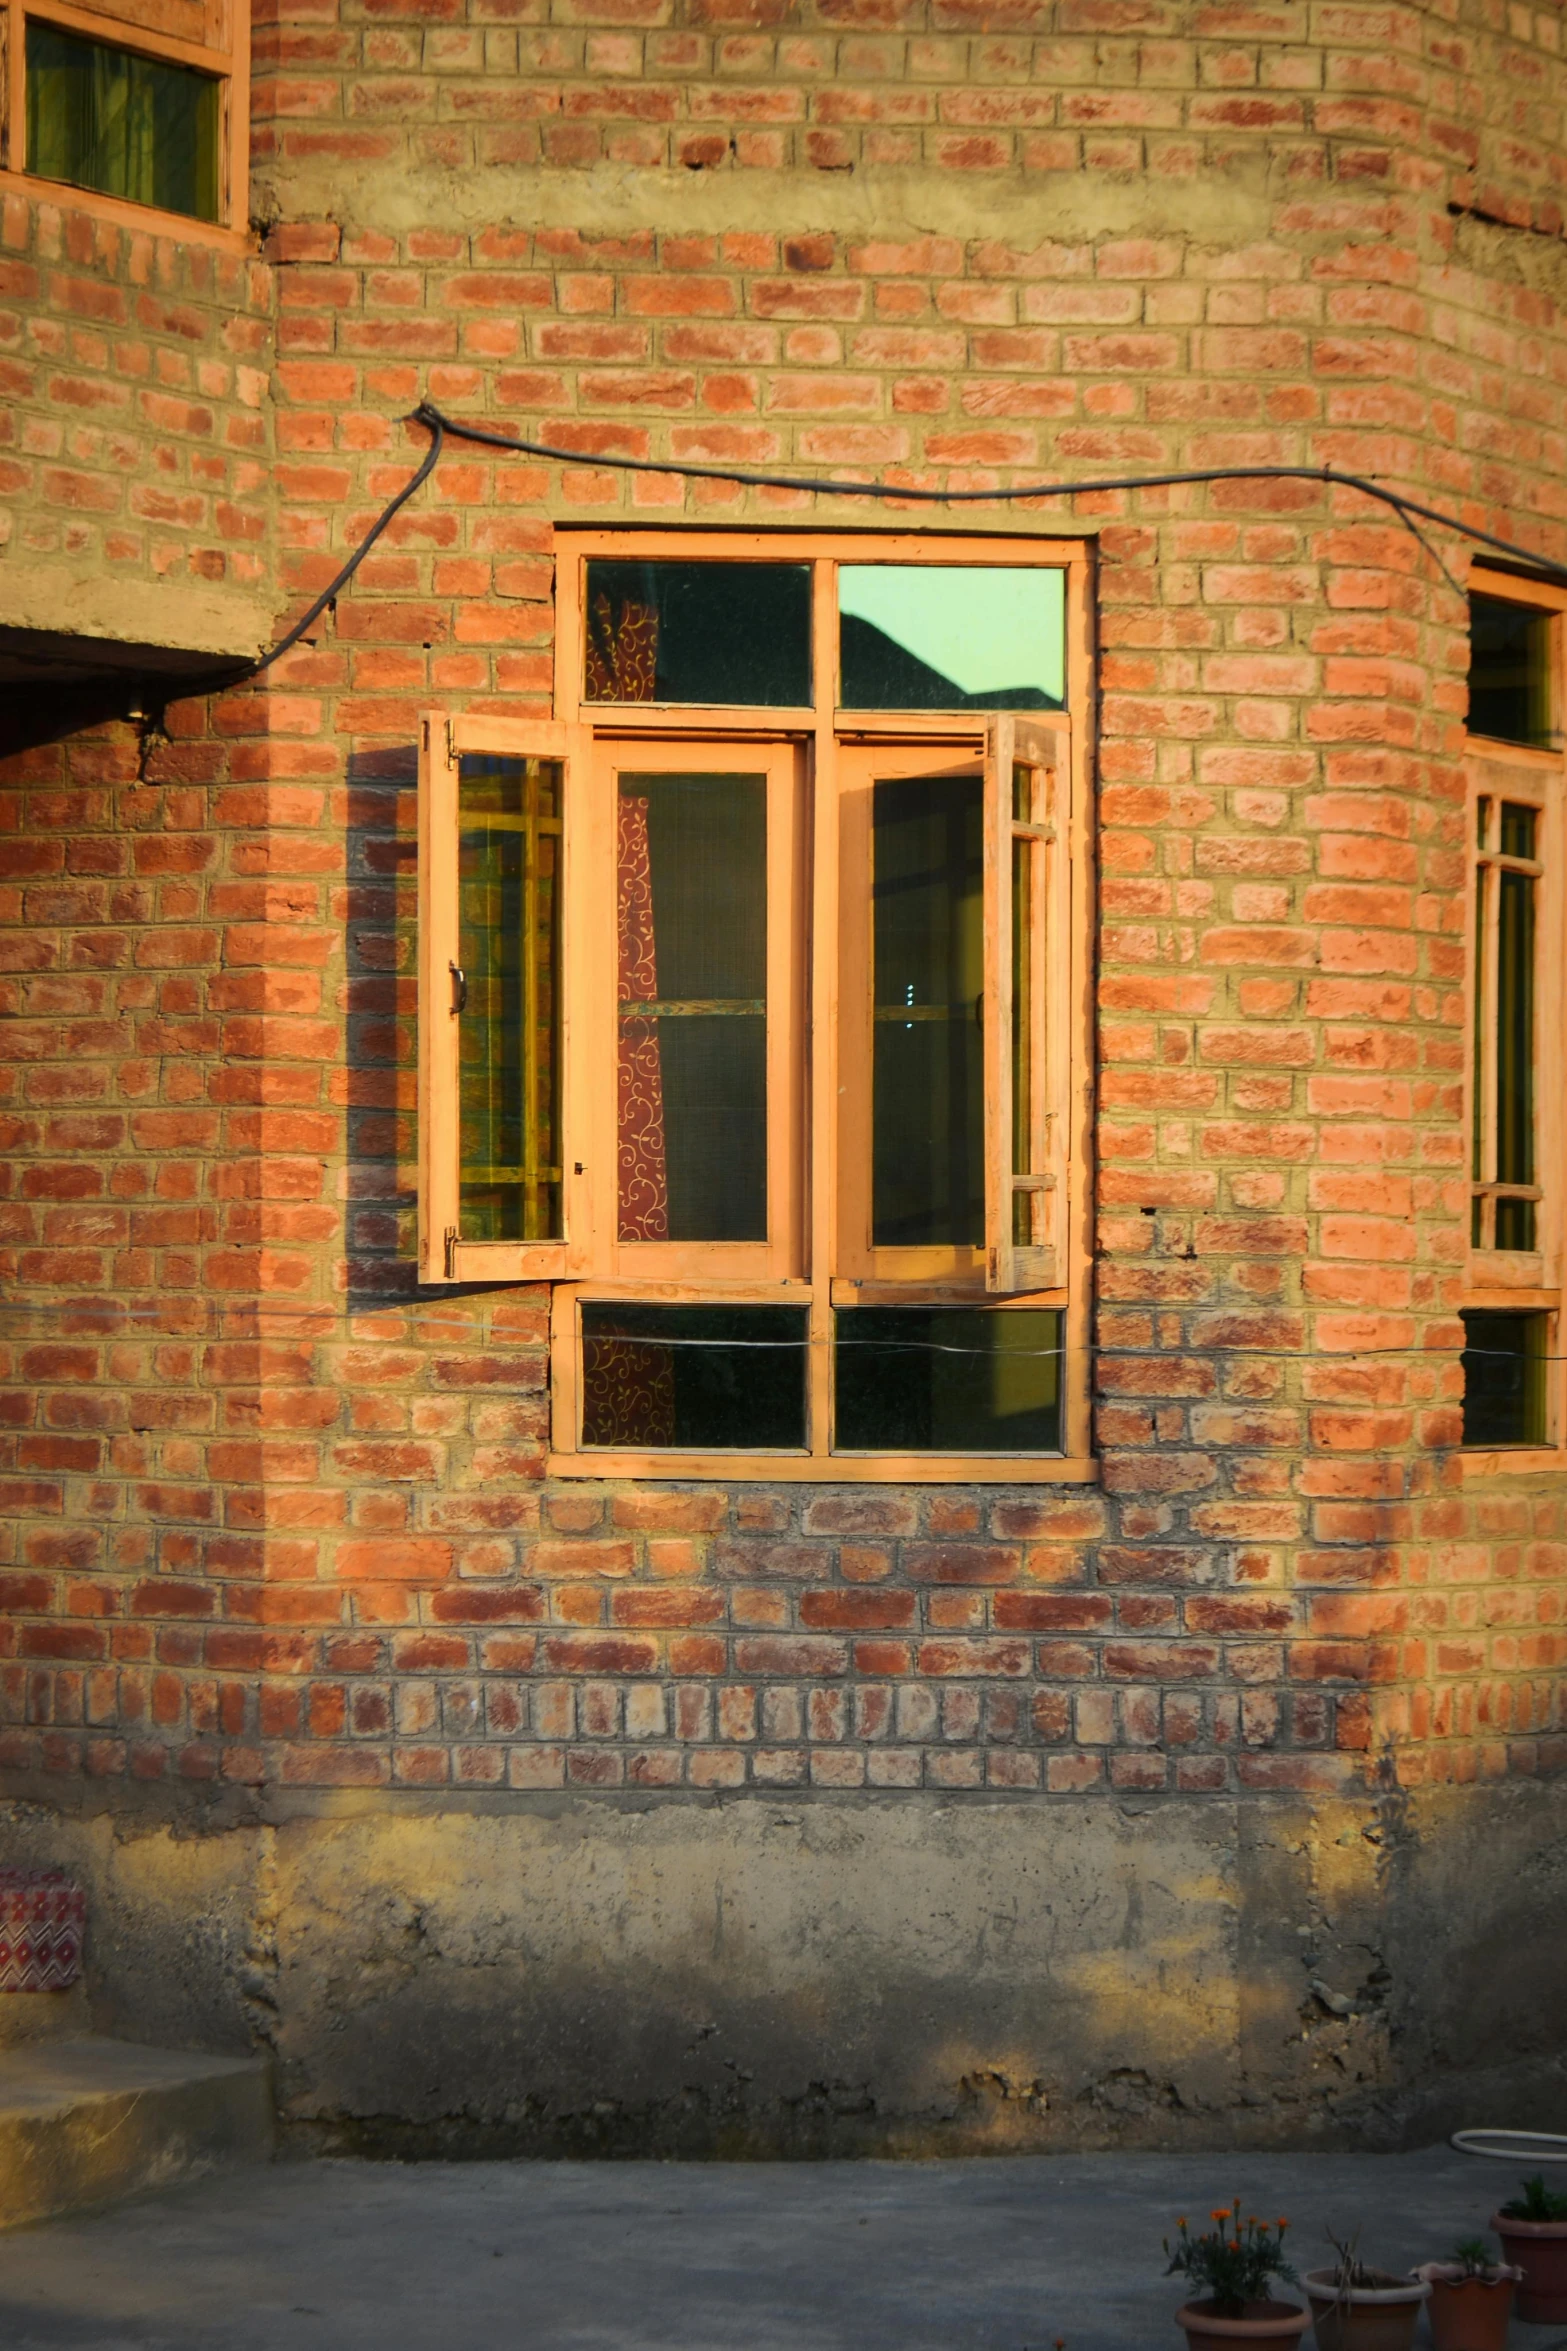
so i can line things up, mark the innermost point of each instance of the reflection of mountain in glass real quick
(880, 674)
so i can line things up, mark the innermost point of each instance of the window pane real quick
(928, 1112)
(698, 632)
(126, 125)
(1515, 1219)
(710, 1378)
(693, 1008)
(925, 636)
(1510, 686)
(508, 861)
(1504, 1379)
(942, 1379)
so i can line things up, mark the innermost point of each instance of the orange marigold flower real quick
(1223, 2213)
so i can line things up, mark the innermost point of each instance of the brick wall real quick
(134, 385)
(275, 1516)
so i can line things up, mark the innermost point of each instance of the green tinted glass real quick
(930, 636)
(508, 867)
(129, 126)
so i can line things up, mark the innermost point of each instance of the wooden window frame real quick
(213, 36)
(1521, 1281)
(817, 1256)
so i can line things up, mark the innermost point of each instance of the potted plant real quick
(1357, 2308)
(1471, 2298)
(1230, 2264)
(1533, 2230)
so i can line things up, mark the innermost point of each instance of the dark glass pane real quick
(1510, 685)
(925, 636)
(1504, 1379)
(698, 632)
(927, 1096)
(130, 126)
(508, 862)
(947, 1379)
(708, 1378)
(693, 1008)
(1481, 1016)
(1518, 828)
(1515, 1055)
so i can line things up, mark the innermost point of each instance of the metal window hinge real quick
(451, 744)
(451, 1252)
(459, 987)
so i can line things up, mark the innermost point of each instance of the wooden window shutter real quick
(1027, 1027)
(495, 1094)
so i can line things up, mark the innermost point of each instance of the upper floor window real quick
(1517, 971)
(753, 1005)
(137, 101)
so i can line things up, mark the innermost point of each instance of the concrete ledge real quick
(84, 2122)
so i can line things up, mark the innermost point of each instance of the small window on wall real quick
(1505, 1385)
(1512, 672)
(1516, 977)
(754, 1007)
(132, 103)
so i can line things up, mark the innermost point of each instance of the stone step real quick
(86, 2121)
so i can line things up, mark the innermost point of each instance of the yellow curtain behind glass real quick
(131, 126)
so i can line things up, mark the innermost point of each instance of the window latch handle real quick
(459, 987)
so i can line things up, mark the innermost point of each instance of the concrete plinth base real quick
(85, 2122)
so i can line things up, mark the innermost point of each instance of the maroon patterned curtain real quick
(629, 1385)
(622, 660)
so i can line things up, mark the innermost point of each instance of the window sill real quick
(838, 1469)
(177, 227)
(1482, 1461)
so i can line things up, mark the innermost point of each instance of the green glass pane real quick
(508, 868)
(732, 633)
(1481, 1016)
(131, 126)
(1024, 857)
(927, 1095)
(697, 1378)
(1511, 695)
(1515, 1055)
(930, 636)
(692, 990)
(1505, 1379)
(939, 1379)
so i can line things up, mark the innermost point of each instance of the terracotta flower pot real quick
(1468, 2313)
(1539, 2249)
(1278, 2325)
(1364, 2318)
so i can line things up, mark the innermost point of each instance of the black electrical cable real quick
(308, 619)
(440, 426)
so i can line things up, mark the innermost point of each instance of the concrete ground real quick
(1003, 2255)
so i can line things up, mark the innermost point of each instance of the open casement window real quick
(493, 1085)
(754, 1006)
(141, 105)
(1027, 1036)
(1516, 970)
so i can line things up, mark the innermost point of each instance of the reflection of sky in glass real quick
(987, 630)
